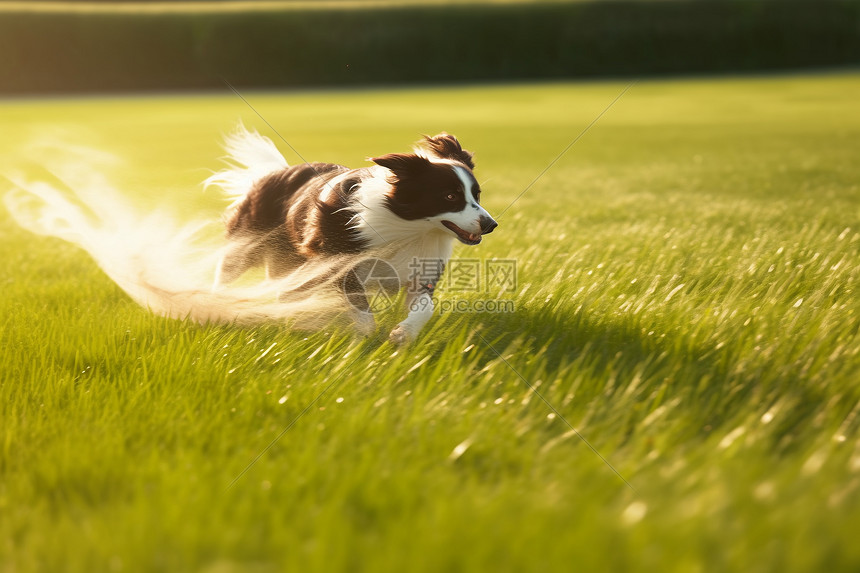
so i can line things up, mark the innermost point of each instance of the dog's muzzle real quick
(487, 225)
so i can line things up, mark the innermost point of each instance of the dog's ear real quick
(446, 146)
(404, 165)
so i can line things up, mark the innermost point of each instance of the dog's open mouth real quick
(464, 236)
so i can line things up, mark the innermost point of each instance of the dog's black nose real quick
(487, 225)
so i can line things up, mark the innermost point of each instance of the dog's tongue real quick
(463, 234)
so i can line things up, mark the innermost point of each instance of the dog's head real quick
(436, 185)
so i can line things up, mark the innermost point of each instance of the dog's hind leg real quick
(281, 260)
(238, 257)
(354, 291)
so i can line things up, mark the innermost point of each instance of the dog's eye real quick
(451, 196)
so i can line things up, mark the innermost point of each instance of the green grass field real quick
(686, 300)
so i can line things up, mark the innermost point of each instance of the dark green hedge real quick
(402, 44)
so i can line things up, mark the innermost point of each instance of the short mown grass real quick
(686, 300)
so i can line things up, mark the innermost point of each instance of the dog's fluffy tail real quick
(250, 156)
(165, 265)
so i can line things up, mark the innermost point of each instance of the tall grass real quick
(685, 307)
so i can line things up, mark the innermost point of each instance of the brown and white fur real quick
(409, 206)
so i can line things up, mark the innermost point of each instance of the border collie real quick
(409, 206)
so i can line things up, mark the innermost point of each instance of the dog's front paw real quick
(400, 335)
